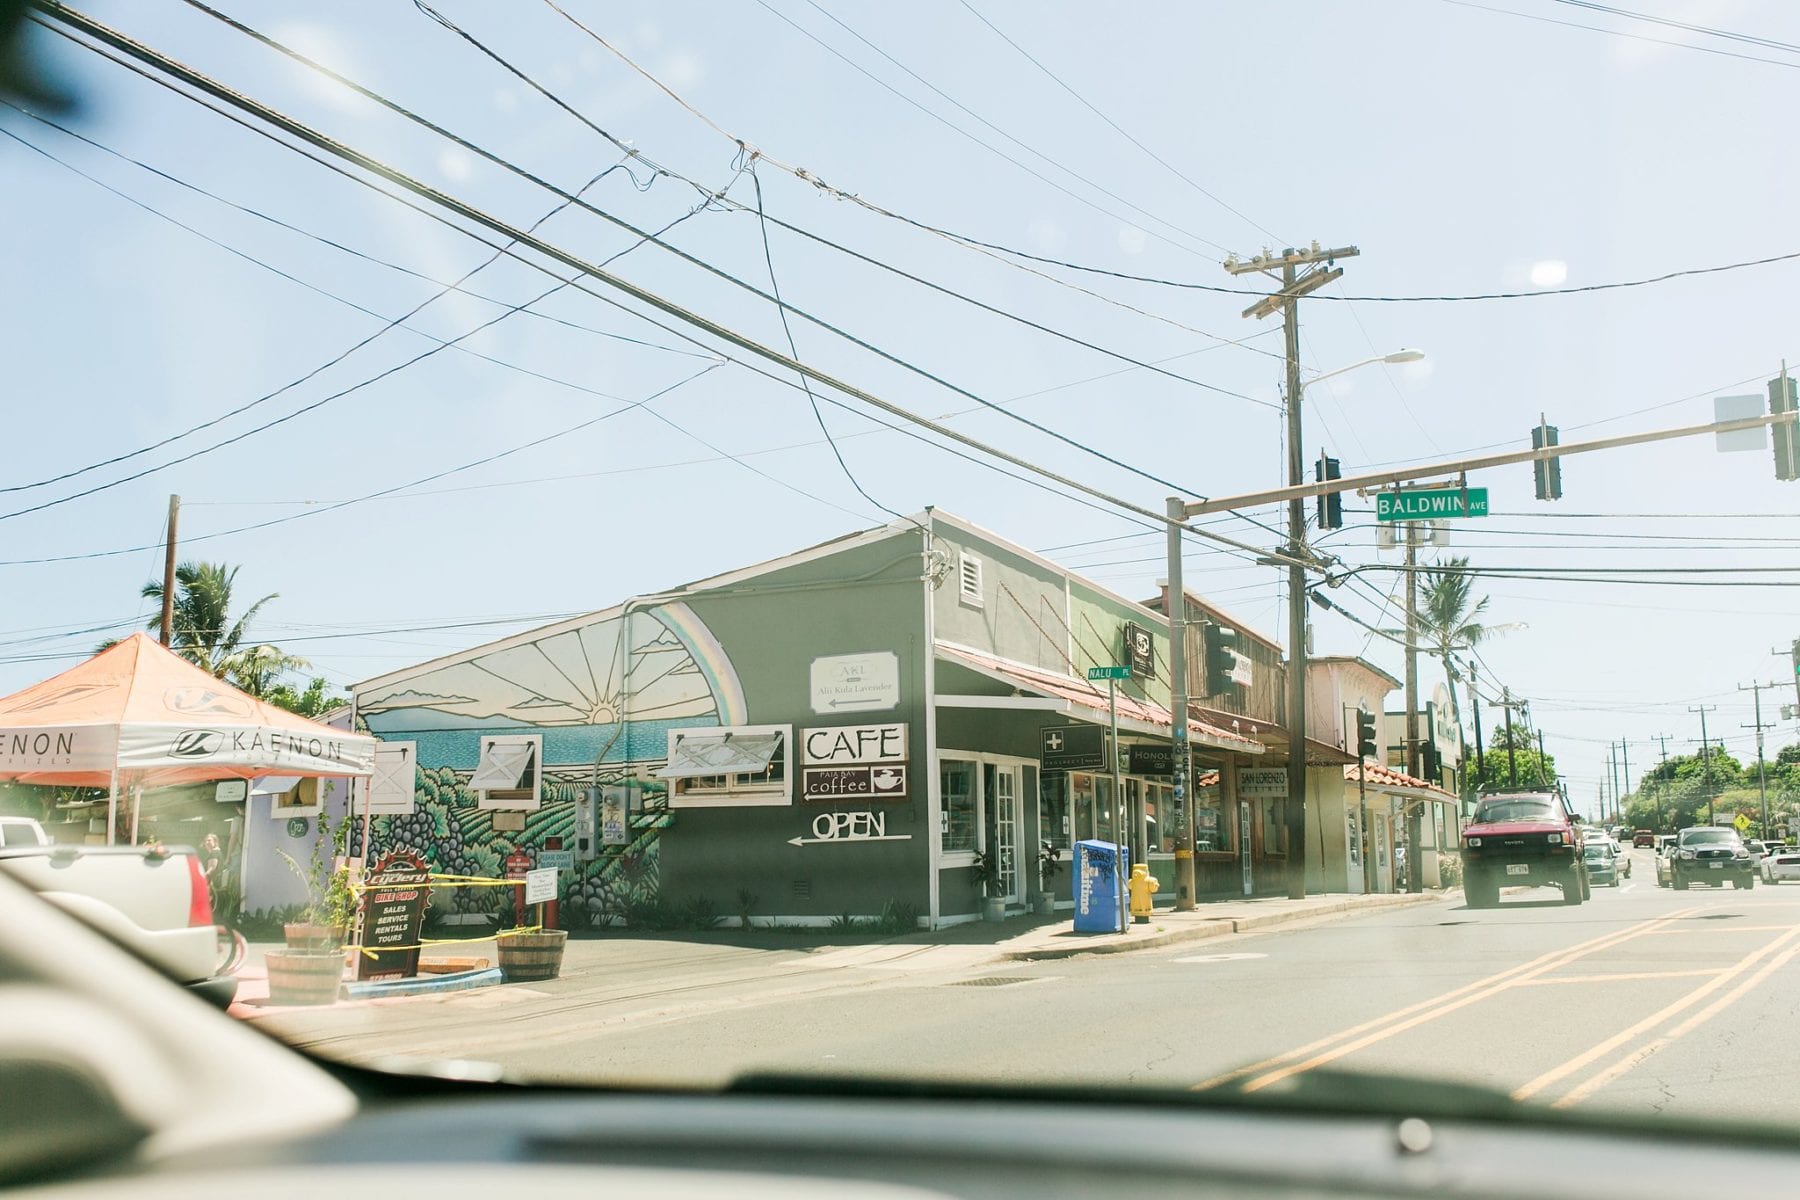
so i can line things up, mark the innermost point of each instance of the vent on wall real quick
(803, 889)
(969, 577)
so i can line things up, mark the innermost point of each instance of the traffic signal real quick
(1331, 504)
(1787, 437)
(1547, 472)
(1366, 747)
(1431, 762)
(1221, 659)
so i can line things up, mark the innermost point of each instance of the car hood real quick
(1513, 828)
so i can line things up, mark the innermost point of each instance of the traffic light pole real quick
(1414, 816)
(1175, 608)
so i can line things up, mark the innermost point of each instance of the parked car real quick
(154, 901)
(1665, 858)
(1644, 837)
(21, 831)
(1781, 865)
(1712, 855)
(1601, 858)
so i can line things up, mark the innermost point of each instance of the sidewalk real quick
(1049, 939)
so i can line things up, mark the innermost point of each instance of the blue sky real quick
(1463, 148)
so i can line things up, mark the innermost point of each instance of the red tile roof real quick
(1379, 776)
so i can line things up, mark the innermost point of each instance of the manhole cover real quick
(990, 981)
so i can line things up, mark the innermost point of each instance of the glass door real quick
(1002, 790)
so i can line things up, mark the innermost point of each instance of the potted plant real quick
(987, 874)
(1049, 862)
(330, 904)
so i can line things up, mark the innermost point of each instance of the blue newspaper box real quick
(1098, 879)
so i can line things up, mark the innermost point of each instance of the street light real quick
(1398, 356)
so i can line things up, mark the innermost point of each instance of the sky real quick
(179, 266)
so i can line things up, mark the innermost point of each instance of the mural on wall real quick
(456, 838)
(604, 691)
(603, 694)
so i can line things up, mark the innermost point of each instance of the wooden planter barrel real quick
(525, 957)
(304, 976)
(306, 935)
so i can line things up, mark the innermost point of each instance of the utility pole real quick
(1175, 608)
(1512, 758)
(1543, 774)
(168, 595)
(1414, 815)
(1287, 302)
(1625, 763)
(1706, 757)
(1762, 778)
(1663, 741)
(1475, 706)
(1613, 769)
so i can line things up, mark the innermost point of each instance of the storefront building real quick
(896, 721)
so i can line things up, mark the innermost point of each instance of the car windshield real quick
(647, 544)
(1516, 810)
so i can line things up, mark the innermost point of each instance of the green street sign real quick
(1430, 504)
(1109, 672)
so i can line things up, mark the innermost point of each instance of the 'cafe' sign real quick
(840, 762)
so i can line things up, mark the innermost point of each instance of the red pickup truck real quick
(1526, 839)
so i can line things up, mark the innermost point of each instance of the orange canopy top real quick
(137, 707)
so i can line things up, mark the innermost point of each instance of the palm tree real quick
(204, 632)
(258, 670)
(1450, 620)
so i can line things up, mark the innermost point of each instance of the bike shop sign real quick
(853, 762)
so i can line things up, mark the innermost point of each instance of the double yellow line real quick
(1359, 1037)
(1777, 953)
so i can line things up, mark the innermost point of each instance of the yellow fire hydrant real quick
(1142, 886)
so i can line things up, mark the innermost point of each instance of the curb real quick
(1221, 926)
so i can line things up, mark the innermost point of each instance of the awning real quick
(274, 785)
(505, 764)
(1091, 702)
(1378, 778)
(698, 755)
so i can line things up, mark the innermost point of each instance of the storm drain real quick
(990, 981)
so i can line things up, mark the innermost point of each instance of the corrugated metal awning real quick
(698, 755)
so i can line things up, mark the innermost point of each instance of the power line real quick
(1748, 39)
(439, 197)
(167, 69)
(807, 177)
(1116, 127)
(341, 247)
(1636, 37)
(988, 146)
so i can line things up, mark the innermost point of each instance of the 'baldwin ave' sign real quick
(1430, 504)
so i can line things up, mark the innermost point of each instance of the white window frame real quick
(965, 561)
(307, 794)
(736, 793)
(964, 858)
(486, 799)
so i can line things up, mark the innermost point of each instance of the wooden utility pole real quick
(168, 595)
(1287, 302)
(1706, 758)
(1762, 775)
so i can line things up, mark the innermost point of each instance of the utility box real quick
(1098, 881)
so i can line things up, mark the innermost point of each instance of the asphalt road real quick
(1641, 999)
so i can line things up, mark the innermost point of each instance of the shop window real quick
(1053, 809)
(1274, 822)
(1215, 825)
(510, 772)
(968, 571)
(961, 806)
(289, 795)
(714, 767)
(1160, 816)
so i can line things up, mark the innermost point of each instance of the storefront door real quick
(1001, 784)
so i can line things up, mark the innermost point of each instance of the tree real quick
(257, 670)
(314, 701)
(203, 631)
(1450, 619)
(1495, 774)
